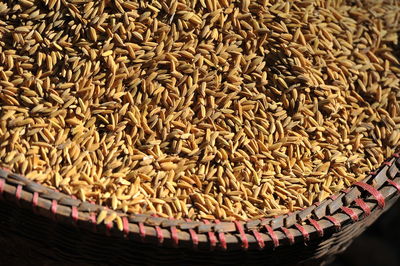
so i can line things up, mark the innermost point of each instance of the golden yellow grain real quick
(220, 109)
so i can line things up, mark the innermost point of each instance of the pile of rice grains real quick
(199, 109)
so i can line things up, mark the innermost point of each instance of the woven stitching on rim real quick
(350, 213)
(363, 205)
(2, 183)
(222, 239)
(374, 192)
(317, 227)
(273, 236)
(211, 236)
(334, 221)
(394, 184)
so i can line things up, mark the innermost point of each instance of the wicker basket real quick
(59, 227)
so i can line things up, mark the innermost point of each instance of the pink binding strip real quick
(125, 223)
(211, 236)
(18, 192)
(142, 231)
(35, 199)
(317, 227)
(303, 231)
(54, 206)
(159, 233)
(388, 163)
(94, 221)
(288, 234)
(397, 186)
(350, 213)
(109, 226)
(74, 212)
(245, 241)
(259, 239)
(333, 197)
(221, 236)
(273, 236)
(374, 192)
(334, 222)
(193, 236)
(364, 206)
(174, 235)
(2, 183)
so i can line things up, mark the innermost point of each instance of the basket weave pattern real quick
(316, 232)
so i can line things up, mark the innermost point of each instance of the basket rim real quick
(330, 215)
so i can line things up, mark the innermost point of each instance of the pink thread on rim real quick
(317, 227)
(18, 193)
(74, 212)
(335, 222)
(193, 236)
(221, 236)
(259, 239)
(373, 191)
(333, 197)
(273, 236)
(125, 223)
(174, 235)
(93, 219)
(303, 232)
(363, 205)
(387, 163)
(142, 231)
(2, 183)
(350, 213)
(159, 233)
(397, 186)
(54, 206)
(35, 199)
(288, 234)
(245, 241)
(211, 237)
(109, 226)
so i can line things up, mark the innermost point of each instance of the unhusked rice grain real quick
(203, 109)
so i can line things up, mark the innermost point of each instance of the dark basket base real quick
(35, 240)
